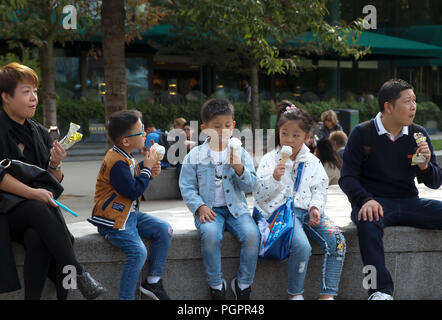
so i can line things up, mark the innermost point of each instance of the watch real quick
(55, 168)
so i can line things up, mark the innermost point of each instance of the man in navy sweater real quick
(377, 176)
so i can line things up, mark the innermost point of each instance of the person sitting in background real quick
(329, 124)
(178, 123)
(338, 140)
(157, 136)
(330, 160)
(189, 133)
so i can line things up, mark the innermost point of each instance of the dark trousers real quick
(36, 226)
(411, 212)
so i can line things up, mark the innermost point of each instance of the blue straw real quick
(65, 208)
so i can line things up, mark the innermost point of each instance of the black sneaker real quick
(219, 294)
(154, 290)
(240, 294)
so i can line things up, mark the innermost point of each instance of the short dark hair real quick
(391, 91)
(121, 122)
(14, 73)
(215, 107)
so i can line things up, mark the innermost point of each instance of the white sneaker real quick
(380, 296)
(297, 297)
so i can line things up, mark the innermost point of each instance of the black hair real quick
(391, 91)
(148, 124)
(186, 124)
(121, 122)
(286, 111)
(215, 107)
(326, 153)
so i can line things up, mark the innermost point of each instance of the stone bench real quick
(413, 257)
(164, 186)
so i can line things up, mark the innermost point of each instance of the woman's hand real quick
(42, 195)
(57, 154)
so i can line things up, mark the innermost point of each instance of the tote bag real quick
(277, 231)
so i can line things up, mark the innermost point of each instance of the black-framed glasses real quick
(137, 134)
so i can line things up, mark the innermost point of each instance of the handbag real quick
(277, 231)
(30, 175)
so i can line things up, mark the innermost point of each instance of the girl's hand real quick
(315, 217)
(279, 171)
(42, 195)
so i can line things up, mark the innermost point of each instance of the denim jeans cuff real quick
(294, 294)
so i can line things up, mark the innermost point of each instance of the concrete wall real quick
(413, 257)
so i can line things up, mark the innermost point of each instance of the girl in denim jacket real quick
(276, 181)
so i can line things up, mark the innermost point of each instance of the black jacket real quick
(8, 149)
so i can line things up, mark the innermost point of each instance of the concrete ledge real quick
(413, 257)
(164, 186)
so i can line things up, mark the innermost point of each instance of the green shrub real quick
(162, 116)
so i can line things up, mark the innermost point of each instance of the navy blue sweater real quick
(387, 172)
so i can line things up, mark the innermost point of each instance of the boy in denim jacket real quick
(213, 182)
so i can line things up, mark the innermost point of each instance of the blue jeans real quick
(411, 212)
(332, 243)
(244, 229)
(139, 225)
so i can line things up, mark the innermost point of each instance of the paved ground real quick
(79, 184)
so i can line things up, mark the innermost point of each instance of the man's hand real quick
(424, 150)
(206, 214)
(371, 209)
(315, 217)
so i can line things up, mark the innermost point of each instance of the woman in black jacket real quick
(34, 220)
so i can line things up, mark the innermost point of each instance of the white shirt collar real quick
(381, 129)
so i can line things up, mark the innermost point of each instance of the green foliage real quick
(163, 115)
(239, 34)
(26, 60)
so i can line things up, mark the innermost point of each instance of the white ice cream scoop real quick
(235, 143)
(286, 152)
(161, 151)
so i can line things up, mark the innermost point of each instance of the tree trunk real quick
(46, 55)
(113, 40)
(83, 75)
(254, 83)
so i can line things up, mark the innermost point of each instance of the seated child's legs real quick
(131, 244)
(246, 231)
(300, 251)
(211, 236)
(332, 242)
(160, 231)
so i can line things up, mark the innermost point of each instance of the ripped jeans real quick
(332, 243)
